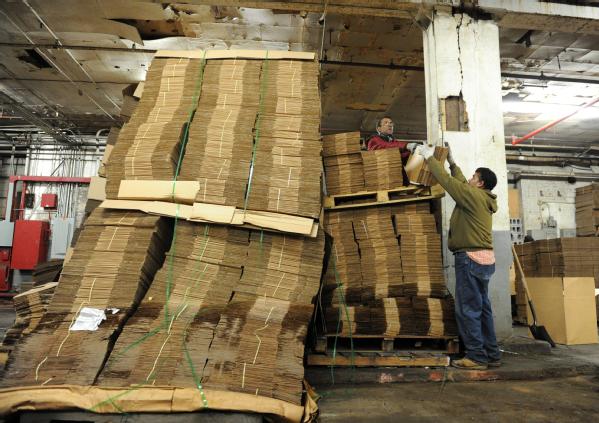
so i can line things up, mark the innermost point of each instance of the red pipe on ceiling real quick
(553, 123)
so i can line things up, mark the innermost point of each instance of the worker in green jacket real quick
(471, 241)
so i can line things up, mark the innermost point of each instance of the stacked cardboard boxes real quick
(148, 145)
(383, 169)
(587, 210)
(343, 163)
(397, 252)
(116, 257)
(562, 275)
(204, 320)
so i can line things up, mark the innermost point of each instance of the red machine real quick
(24, 243)
(29, 244)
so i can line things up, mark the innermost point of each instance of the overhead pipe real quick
(516, 141)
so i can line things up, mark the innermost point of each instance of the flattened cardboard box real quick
(566, 307)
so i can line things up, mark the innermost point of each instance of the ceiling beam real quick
(380, 8)
(30, 117)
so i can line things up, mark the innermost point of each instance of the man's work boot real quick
(467, 364)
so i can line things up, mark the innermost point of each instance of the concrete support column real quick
(463, 102)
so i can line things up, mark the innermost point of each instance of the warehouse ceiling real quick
(64, 64)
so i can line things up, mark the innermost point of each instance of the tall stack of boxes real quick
(385, 273)
(194, 304)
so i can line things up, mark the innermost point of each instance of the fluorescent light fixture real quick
(549, 111)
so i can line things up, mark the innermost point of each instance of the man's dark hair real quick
(380, 121)
(488, 177)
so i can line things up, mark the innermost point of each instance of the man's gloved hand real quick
(425, 151)
(411, 146)
(450, 158)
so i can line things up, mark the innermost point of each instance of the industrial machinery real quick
(24, 242)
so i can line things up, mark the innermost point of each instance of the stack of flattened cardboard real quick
(258, 349)
(418, 171)
(112, 266)
(561, 279)
(148, 145)
(219, 149)
(390, 317)
(287, 165)
(587, 210)
(284, 267)
(207, 324)
(343, 163)
(380, 258)
(30, 306)
(184, 303)
(382, 169)
(398, 286)
(567, 256)
(343, 279)
(421, 257)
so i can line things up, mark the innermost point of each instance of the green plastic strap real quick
(192, 109)
(263, 83)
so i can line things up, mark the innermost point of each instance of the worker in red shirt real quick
(384, 139)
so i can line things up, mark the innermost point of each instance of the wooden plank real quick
(378, 361)
(321, 344)
(445, 337)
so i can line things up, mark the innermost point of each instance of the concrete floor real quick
(553, 400)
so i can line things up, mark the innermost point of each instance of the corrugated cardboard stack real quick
(587, 210)
(30, 307)
(258, 349)
(561, 257)
(112, 266)
(184, 303)
(343, 279)
(398, 316)
(284, 267)
(380, 258)
(219, 149)
(382, 169)
(397, 283)
(207, 323)
(343, 163)
(561, 279)
(421, 256)
(148, 145)
(287, 166)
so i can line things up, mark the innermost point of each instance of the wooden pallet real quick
(370, 198)
(380, 344)
(362, 359)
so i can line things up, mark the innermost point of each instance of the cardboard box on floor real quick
(566, 307)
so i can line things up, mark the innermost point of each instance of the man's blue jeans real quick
(473, 309)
